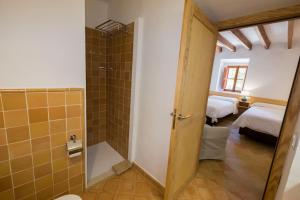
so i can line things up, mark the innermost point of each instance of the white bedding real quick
(218, 107)
(262, 117)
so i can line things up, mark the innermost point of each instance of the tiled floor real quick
(242, 175)
(131, 185)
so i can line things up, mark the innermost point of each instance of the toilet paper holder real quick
(74, 147)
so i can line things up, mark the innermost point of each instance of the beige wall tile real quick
(58, 139)
(4, 168)
(15, 118)
(14, 100)
(59, 165)
(60, 176)
(56, 99)
(42, 170)
(74, 123)
(76, 180)
(7, 195)
(38, 115)
(43, 182)
(40, 144)
(42, 157)
(30, 197)
(73, 111)
(1, 120)
(17, 134)
(60, 188)
(59, 152)
(20, 164)
(45, 194)
(24, 190)
(57, 113)
(29, 145)
(1, 108)
(5, 183)
(75, 170)
(73, 97)
(3, 153)
(39, 129)
(77, 190)
(19, 149)
(75, 160)
(58, 126)
(3, 140)
(37, 99)
(23, 177)
(78, 134)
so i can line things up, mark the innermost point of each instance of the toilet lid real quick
(69, 197)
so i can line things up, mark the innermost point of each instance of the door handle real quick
(181, 117)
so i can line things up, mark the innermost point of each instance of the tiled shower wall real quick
(115, 99)
(119, 59)
(34, 128)
(96, 86)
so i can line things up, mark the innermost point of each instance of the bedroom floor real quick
(241, 176)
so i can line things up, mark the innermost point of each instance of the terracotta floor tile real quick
(131, 185)
(241, 176)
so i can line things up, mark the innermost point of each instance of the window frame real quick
(225, 77)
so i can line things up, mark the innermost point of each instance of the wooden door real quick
(284, 141)
(198, 43)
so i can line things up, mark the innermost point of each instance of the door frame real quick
(190, 10)
(293, 107)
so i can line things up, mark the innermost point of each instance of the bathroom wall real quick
(42, 44)
(96, 86)
(95, 12)
(109, 91)
(156, 77)
(35, 125)
(119, 59)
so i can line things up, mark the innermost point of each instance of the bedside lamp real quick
(245, 95)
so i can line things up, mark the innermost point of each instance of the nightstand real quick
(243, 106)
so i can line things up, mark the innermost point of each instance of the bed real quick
(219, 107)
(262, 118)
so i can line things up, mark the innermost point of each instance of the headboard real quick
(252, 99)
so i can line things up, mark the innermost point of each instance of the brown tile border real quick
(41, 89)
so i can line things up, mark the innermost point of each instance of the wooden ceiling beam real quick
(269, 16)
(264, 39)
(290, 33)
(242, 38)
(226, 43)
(219, 49)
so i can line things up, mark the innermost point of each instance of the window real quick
(234, 78)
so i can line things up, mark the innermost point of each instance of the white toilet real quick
(69, 197)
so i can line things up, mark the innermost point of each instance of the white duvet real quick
(218, 107)
(262, 117)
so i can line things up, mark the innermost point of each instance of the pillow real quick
(267, 105)
(230, 99)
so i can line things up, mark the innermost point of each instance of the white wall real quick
(95, 12)
(42, 43)
(162, 22)
(265, 71)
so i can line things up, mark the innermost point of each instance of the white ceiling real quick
(277, 33)
(218, 10)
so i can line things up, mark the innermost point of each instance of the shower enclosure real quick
(109, 71)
